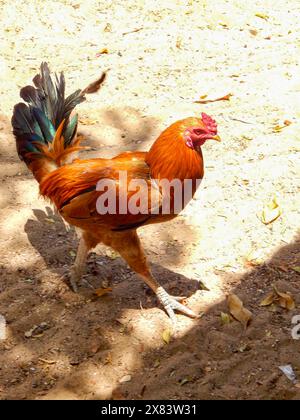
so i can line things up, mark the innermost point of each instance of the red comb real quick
(209, 122)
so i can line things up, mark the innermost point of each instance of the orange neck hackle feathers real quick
(169, 156)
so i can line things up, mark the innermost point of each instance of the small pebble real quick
(124, 379)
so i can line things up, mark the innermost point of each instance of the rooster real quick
(47, 141)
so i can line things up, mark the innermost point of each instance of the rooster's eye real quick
(198, 131)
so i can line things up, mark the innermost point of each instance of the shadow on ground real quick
(87, 339)
(208, 361)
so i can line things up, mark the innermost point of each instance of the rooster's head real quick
(199, 130)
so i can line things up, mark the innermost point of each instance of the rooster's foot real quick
(77, 280)
(172, 303)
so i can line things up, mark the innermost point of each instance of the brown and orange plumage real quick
(47, 142)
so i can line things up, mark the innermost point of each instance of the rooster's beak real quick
(217, 138)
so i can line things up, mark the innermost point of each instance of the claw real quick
(178, 298)
(171, 304)
(86, 283)
(76, 279)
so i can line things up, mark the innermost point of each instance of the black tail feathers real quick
(46, 108)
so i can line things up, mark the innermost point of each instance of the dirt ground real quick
(162, 56)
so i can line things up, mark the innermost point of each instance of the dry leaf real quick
(183, 381)
(37, 330)
(237, 310)
(206, 101)
(253, 32)
(268, 300)
(156, 363)
(271, 211)
(262, 16)
(253, 259)
(94, 86)
(179, 42)
(225, 318)
(287, 122)
(277, 128)
(244, 347)
(133, 31)
(102, 291)
(103, 51)
(166, 336)
(285, 300)
(247, 138)
(251, 263)
(107, 27)
(296, 268)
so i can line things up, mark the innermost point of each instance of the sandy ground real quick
(162, 56)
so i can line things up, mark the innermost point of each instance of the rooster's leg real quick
(129, 246)
(79, 266)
